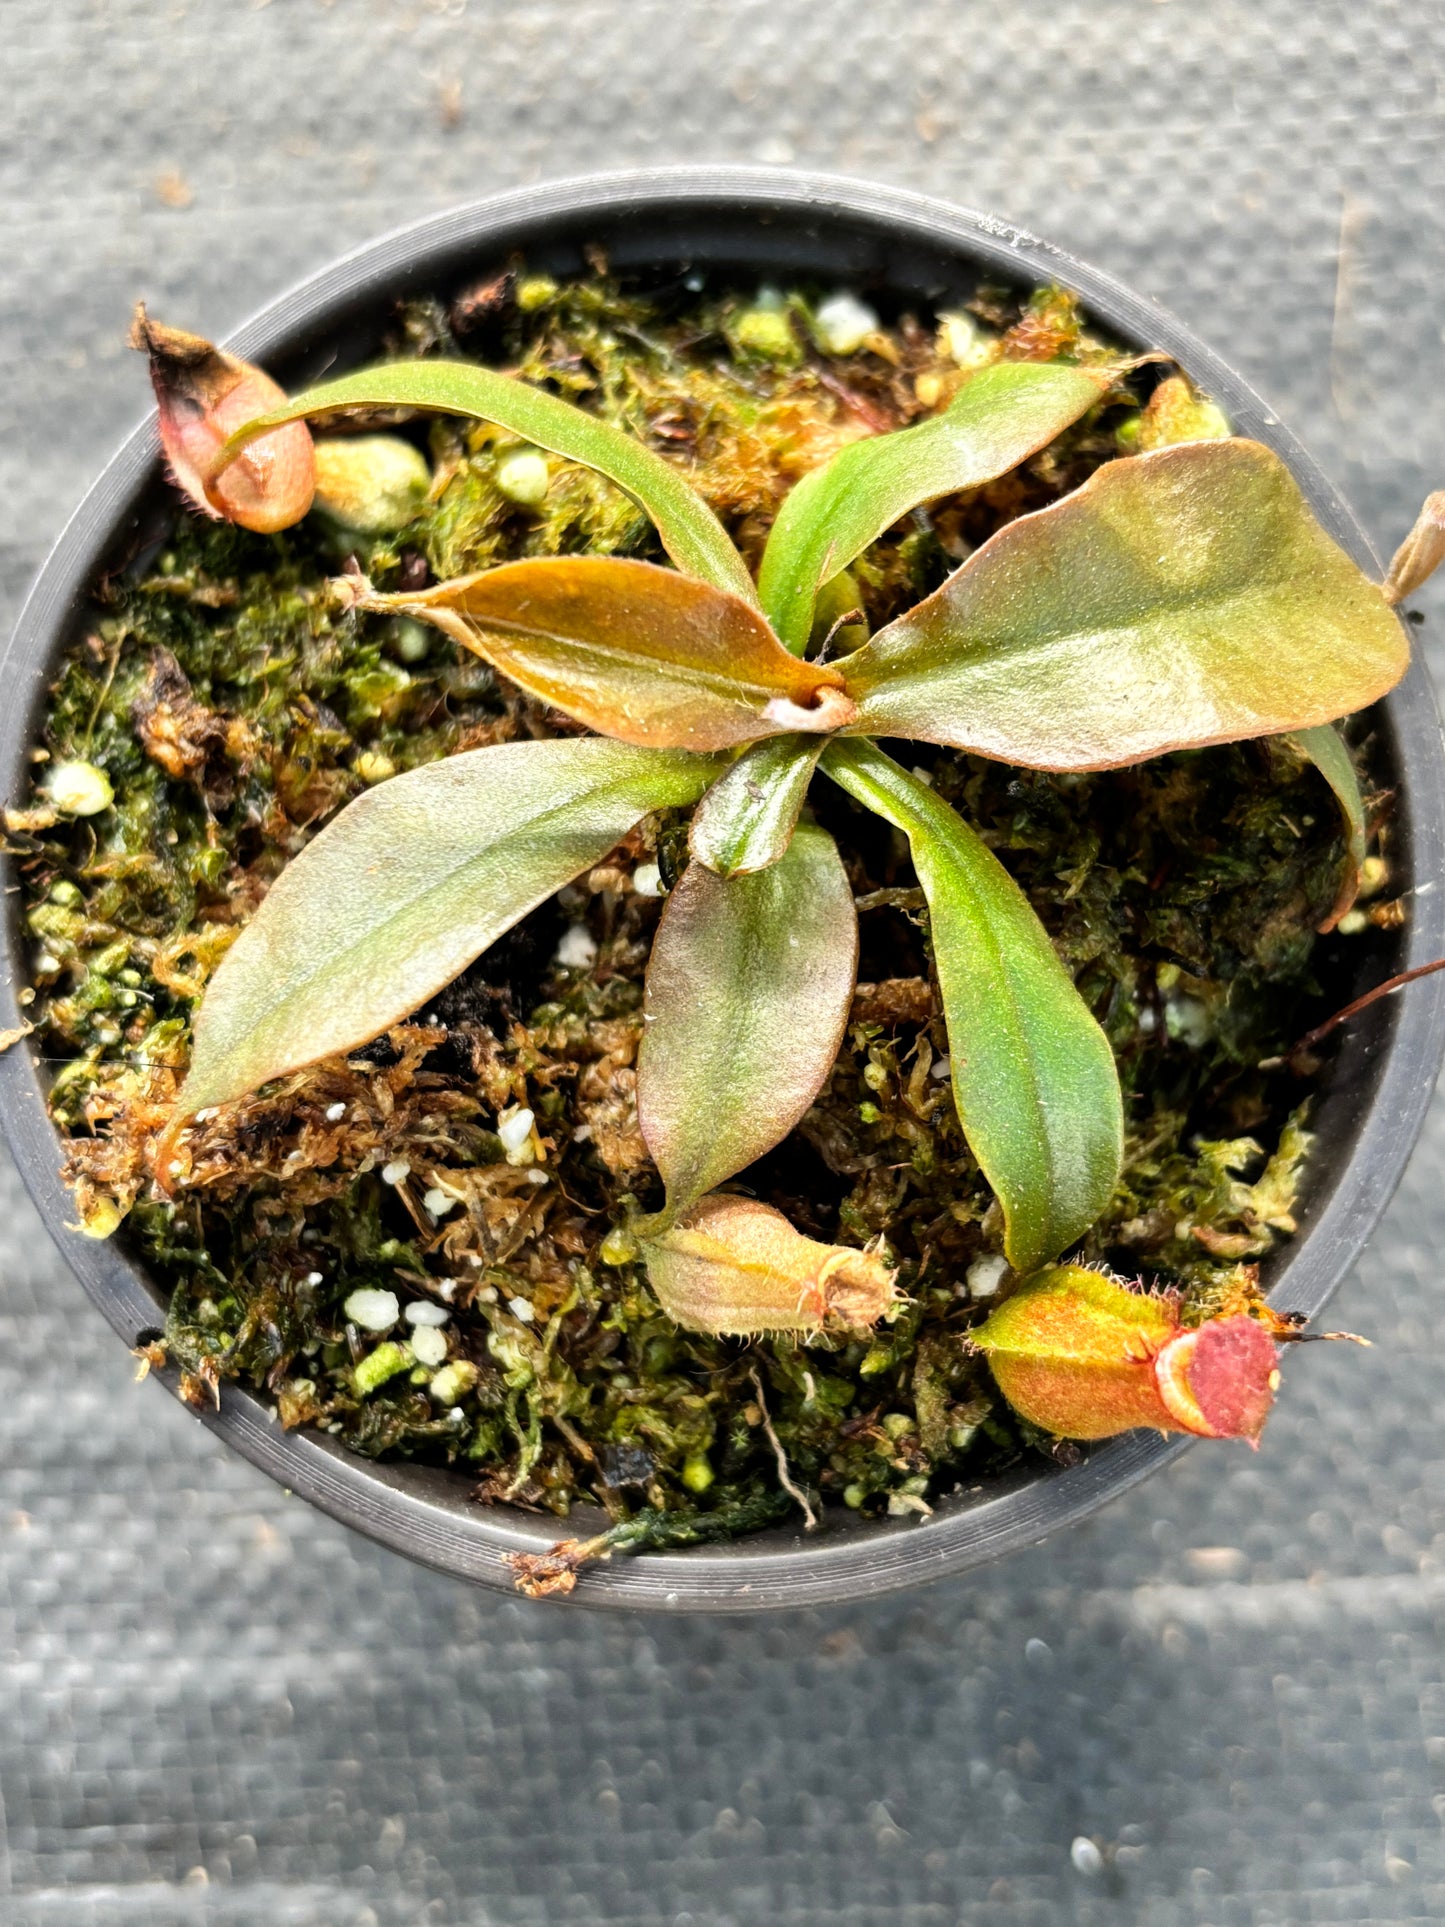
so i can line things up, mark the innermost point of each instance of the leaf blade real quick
(1001, 415)
(692, 535)
(748, 992)
(746, 820)
(1033, 1075)
(1179, 598)
(406, 887)
(1325, 748)
(642, 654)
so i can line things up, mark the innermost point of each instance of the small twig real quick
(873, 418)
(785, 1477)
(1321, 1031)
(850, 619)
(889, 899)
(574, 1438)
(545, 1575)
(105, 689)
(556, 1570)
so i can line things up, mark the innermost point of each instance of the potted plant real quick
(1168, 587)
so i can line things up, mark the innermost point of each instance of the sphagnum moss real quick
(233, 710)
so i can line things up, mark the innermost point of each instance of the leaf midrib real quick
(1019, 1028)
(918, 823)
(692, 675)
(897, 636)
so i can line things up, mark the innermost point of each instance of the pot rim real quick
(422, 1511)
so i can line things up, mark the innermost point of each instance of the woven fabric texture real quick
(218, 1707)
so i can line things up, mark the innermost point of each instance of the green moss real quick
(234, 711)
(379, 1365)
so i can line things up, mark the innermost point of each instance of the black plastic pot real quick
(901, 249)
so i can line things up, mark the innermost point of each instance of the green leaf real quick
(748, 991)
(1325, 748)
(746, 820)
(692, 535)
(998, 418)
(1033, 1075)
(406, 887)
(641, 654)
(1176, 599)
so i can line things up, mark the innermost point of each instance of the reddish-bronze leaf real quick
(748, 992)
(1176, 599)
(639, 653)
